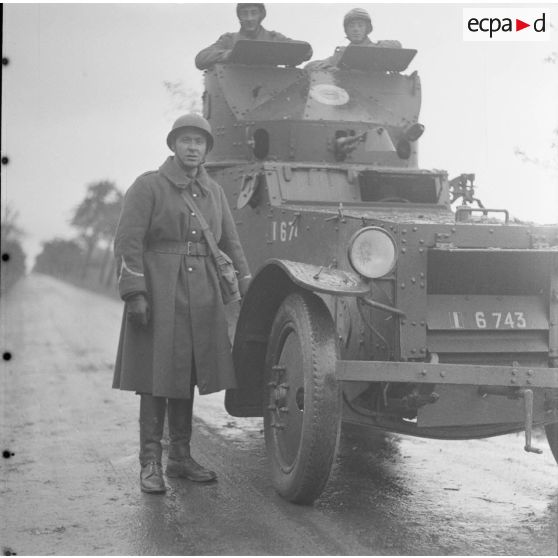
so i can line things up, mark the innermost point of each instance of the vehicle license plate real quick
(481, 319)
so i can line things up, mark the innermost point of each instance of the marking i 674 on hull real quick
(284, 231)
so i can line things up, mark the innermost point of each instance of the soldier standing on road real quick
(174, 330)
(357, 24)
(250, 17)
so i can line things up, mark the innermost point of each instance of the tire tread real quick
(323, 441)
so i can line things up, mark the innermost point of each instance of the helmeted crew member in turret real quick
(357, 24)
(250, 17)
(174, 331)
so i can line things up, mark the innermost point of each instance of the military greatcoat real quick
(216, 52)
(160, 251)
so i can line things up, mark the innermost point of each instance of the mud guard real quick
(324, 279)
(270, 286)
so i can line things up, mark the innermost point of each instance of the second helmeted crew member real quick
(357, 24)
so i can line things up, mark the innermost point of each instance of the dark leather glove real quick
(137, 309)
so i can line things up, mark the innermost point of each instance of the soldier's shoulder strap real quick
(147, 173)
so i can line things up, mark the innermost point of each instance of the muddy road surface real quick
(69, 480)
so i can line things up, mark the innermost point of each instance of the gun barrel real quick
(348, 141)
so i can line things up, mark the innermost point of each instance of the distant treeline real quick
(87, 259)
(13, 256)
(13, 264)
(70, 261)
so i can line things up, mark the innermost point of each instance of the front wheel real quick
(552, 437)
(302, 398)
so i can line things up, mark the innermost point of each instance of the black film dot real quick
(6, 454)
(5, 160)
(5, 257)
(7, 355)
(5, 61)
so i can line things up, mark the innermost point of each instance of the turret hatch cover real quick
(377, 59)
(271, 53)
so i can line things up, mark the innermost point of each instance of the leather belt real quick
(188, 248)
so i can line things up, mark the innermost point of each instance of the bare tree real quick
(107, 227)
(10, 228)
(95, 217)
(183, 98)
(13, 256)
(551, 164)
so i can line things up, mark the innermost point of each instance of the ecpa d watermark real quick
(505, 23)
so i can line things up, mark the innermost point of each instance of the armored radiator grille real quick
(488, 307)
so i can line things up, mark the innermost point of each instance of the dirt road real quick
(71, 485)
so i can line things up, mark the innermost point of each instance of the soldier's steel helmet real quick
(191, 120)
(358, 13)
(261, 6)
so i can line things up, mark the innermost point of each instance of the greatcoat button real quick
(190, 269)
(193, 232)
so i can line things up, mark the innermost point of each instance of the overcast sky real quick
(83, 97)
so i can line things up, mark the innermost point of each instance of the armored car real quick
(384, 294)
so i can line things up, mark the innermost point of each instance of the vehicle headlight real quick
(372, 252)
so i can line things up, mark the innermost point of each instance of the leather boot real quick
(152, 420)
(180, 462)
(151, 478)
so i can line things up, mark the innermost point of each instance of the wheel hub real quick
(286, 400)
(280, 394)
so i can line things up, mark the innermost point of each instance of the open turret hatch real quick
(376, 59)
(269, 53)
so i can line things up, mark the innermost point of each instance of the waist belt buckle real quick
(190, 245)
